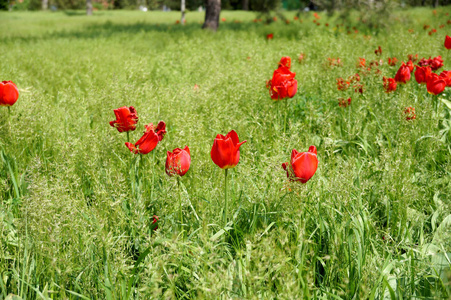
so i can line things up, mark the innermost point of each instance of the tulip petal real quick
(222, 153)
(234, 136)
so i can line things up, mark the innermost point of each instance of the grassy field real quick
(76, 205)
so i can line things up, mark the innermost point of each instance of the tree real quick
(89, 7)
(182, 8)
(212, 11)
(45, 4)
(245, 4)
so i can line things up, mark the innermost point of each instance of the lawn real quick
(77, 207)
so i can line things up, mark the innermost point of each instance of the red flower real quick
(269, 36)
(435, 84)
(413, 58)
(223, 19)
(354, 78)
(301, 57)
(403, 74)
(342, 85)
(342, 102)
(296, 18)
(378, 51)
(446, 75)
(410, 65)
(283, 84)
(358, 88)
(389, 84)
(423, 62)
(436, 63)
(8, 93)
(274, 19)
(422, 74)
(392, 61)
(432, 31)
(155, 222)
(285, 62)
(362, 62)
(316, 16)
(225, 152)
(409, 112)
(426, 27)
(334, 62)
(152, 136)
(126, 119)
(302, 166)
(178, 162)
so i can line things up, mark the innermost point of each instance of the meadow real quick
(77, 207)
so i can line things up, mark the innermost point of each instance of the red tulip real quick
(413, 58)
(436, 63)
(358, 88)
(178, 162)
(302, 166)
(155, 222)
(223, 19)
(403, 74)
(225, 152)
(409, 113)
(285, 62)
(389, 84)
(8, 93)
(446, 75)
(269, 36)
(448, 42)
(435, 84)
(392, 61)
(378, 51)
(283, 84)
(149, 140)
(342, 102)
(126, 119)
(422, 74)
(410, 65)
(342, 85)
(301, 57)
(362, 62)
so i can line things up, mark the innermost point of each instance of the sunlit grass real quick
(77, 206)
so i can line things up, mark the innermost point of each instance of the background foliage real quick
(254, 5)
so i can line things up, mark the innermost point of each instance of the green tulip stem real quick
(9, 119)
(128, 136)
(225, 196)
(153, 175)
(180, 202)
(286, 113)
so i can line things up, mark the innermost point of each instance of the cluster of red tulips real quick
(424, 74)
(225, 152)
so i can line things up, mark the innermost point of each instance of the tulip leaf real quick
(447, 103)
(219, 233)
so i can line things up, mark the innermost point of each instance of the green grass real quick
(76, 206)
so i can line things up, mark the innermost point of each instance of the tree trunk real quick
(213, 9)
(89, 7)
(182, 8)
(45, 4)
(245, 4)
